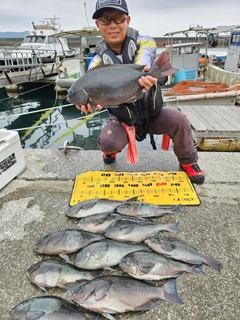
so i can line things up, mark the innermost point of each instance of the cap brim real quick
(99, 12)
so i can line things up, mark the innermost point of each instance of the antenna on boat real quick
(85, 6)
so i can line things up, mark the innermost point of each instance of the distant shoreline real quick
(74, 42)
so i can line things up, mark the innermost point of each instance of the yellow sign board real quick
(155, 187)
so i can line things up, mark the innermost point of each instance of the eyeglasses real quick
(118, 19)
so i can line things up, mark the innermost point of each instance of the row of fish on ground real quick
(110, 234)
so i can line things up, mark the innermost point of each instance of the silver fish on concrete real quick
(145, 210)
(53, 273)
(64, 242)
(98, 223)
(49, 308)
(178, 249)
(94, 206)
(112, 85)
(144, 265)
(136, 231)
(104, 254)
(115, 294)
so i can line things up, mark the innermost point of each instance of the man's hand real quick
(147, 81)
(88, 108)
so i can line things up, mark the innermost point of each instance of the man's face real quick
(114, 34)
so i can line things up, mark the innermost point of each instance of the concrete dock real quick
(33, 205)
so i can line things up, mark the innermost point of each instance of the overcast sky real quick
(150, 17)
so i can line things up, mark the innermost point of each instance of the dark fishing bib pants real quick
(174, 123)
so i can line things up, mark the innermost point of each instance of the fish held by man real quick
(118, 294)
(115, 84)
(136, 231)
(53, 273)
(49, 307)
(144, 265)
(64, 242)
(178, 249)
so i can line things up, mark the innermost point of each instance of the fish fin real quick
(136, 66)
(88, 204)
(168, 246)
(176, 209)
(147, 306)
(108, 316)
(197, 270)
(127, 229)
(34, 315)
(66, 258)
(132, 153)
(162, 66)
(70, 287)
(90, 101)
(101, 292)
(133, 199)
(109, 268)
(96, 273)
(100, 250)
(168, 292)
(42, 288)
(172, 227)
(145, 267)
(213, 263)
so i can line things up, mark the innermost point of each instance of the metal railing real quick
(19, 60)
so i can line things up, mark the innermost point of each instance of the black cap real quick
(111, 4)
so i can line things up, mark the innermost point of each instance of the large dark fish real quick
(136, 231)
(49, 308)
(180, 250)
(104, 254)
(94, 206)
(144, 265)
(98, 223)
(64, 242)
(112, 85)
(115, 294)
(53, 273)
(144, 210)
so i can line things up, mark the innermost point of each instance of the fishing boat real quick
(39, 46)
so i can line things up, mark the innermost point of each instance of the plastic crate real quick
(12, 161)
(191, 74)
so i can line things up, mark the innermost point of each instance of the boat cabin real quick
(233, 55)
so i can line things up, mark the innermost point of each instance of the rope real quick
(54, 124)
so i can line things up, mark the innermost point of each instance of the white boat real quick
(42, 37)
(230, 74)
(39, 46)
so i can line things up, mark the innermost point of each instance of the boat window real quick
(235, 38)
(34, 39)
(51, 40)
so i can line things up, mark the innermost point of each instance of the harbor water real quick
(45, 120)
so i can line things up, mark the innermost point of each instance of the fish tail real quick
(169, 292)
(162, 66)
(172, 227)
(213, 263)
(176, 210)
(96, 273)
(197, 270)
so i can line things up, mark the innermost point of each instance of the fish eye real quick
(72, 92)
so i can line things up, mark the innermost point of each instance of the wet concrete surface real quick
(33, 205)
